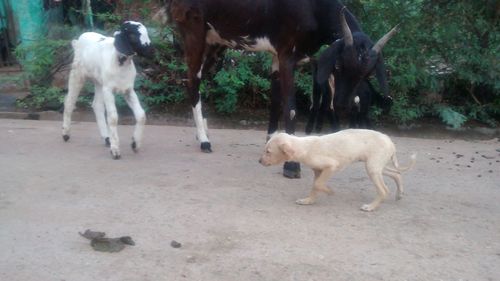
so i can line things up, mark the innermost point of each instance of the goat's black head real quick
(351, 59)
(133, 39)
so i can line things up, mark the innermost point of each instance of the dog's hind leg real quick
(320, 179)
(397, 178)
(376, 176)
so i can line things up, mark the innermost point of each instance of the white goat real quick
(107, 62)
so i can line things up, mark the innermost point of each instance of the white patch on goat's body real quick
(292, 114)
(331, 84)
(201, 133)
(143, 31)
(356, 101)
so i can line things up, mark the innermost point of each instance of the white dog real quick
(330, 153)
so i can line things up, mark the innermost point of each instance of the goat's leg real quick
(100, 113)
(140, 119)
(324, 107)
(364, 119)
(315, 103)
(75, 84)
(286, 66)
(112, 118)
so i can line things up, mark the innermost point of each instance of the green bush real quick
(448, 50)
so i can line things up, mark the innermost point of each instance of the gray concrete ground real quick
(237, 220)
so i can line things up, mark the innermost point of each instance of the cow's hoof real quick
(107, 143)
(65, 137)
(206, 147)
(291, 170)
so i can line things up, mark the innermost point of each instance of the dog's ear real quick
(287, 149)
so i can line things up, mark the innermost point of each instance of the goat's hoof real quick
(107, 143)
(115, 155)
(291, 170)
(308, 131)
(65, 138)
(134, 147)
(206, 147)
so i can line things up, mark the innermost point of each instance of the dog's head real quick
(133, 39)
(278, 150)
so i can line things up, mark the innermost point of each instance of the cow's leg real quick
(275, 108)
(140, 119)
(100, 114)
(75, 84)
(194, 59)
(286, 67)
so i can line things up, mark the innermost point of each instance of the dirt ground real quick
(235, 219)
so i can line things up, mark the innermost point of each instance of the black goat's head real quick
(133, 39)
(351, 59)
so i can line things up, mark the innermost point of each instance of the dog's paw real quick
(367, 208)
(399, 196)
(305, 201)
(327, 190)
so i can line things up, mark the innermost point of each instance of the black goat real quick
(341, 79)
(322, 106)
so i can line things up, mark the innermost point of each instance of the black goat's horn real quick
(382, 41)
(346, 31)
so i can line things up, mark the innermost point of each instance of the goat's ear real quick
(122, 44)
(287, 149)
(327, 61)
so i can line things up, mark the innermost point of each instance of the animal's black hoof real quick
(291, 170)
(66, 137)
(107, 142)
(134, 146)
(206, 147)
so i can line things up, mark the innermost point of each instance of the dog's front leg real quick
(320, 179)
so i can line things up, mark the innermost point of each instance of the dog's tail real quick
(399, 169)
